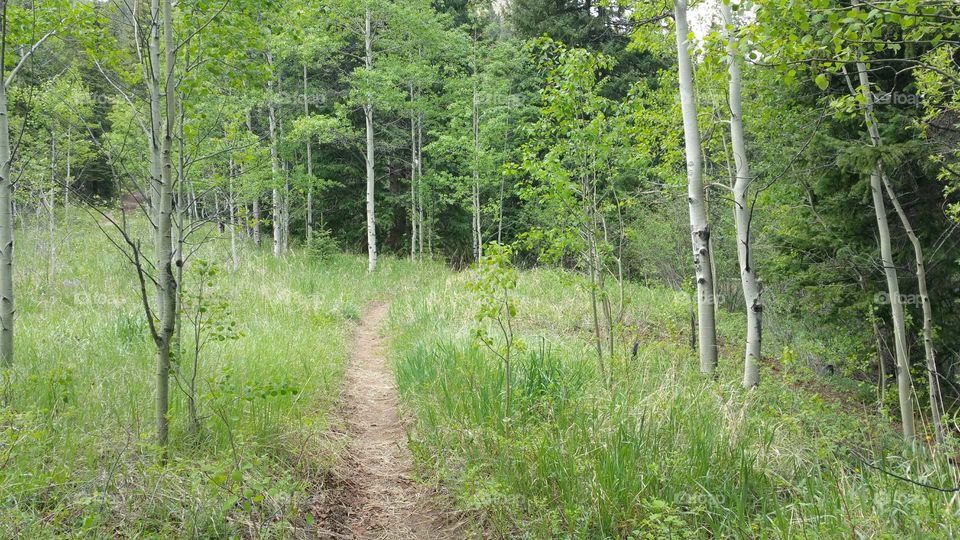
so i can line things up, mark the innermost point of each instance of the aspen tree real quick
(699, 227)
(904, 380)
(370, 156)
(309, 159)
(743, 212)
(7, 303)
(277, 217)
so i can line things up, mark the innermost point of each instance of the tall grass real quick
(76, 427)
(657, 453)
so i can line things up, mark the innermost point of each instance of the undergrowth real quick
(659, 452)
(76, 425)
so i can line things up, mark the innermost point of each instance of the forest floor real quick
(383, 501)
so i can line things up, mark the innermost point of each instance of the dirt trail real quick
(382, 501)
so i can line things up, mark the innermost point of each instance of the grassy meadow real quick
(659, 452)
(656, 452)
(76, 430)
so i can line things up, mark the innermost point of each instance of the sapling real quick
(208, 316)
(494, 284)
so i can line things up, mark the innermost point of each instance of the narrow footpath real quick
(382, 500)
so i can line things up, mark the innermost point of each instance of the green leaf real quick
(821, 81)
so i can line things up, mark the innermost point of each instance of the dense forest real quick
(480, 268)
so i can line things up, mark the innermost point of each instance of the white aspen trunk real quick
(256, 222)
(500, 212)
(216, 212)
(420, 186)
(255, 211)
(277, 217)
(477, 231)
(699, 227)
(165, 251)
(741, 208)
(161, 168)
(904, 381)
(430, 214)
(413, 179)
(192, 202)
(180, 217)
(285, 233)
(371, 171)
(51, 209)
(233, 218)
(306, 113)
(67, 181)
(933, 374)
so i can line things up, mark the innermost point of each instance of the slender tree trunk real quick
(371, 171)
(194, 213)
(936, 399)
(933, 375)
(181, 216)
(420, 186)
(413, 177)
(67, 181)
(306, 113)
(256, 222)
(904, 381)
(6, 229)
(881, 360)
(162, 201)
(234, 258)
(699, 227)
(255, 210)
(277, 217)
(51, 210)
(286, 208)
(477, 230)
(430, 214)
(743, 212)
(500, 211)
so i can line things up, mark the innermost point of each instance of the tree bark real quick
(234, 258)
(933, 374)
(67, 180)
(161, 142)
(371, 171)
(477, 230)
(306, 113)
(255, 210)
(904, 381)
(699, 227)
(277, 216)
(420, 186)
(743, 212)
(413, 176)
(51, 210)
(6, 226)
(285, 236)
